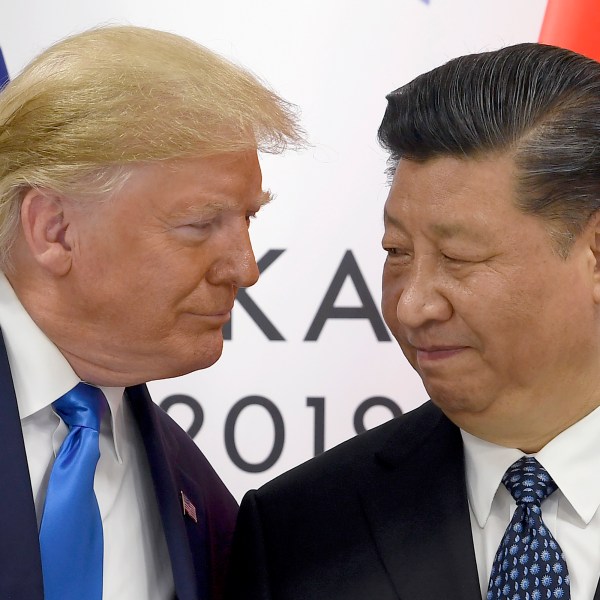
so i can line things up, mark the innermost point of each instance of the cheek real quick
(389, 301)
(519, 321)
(169, 267)
(389, 305)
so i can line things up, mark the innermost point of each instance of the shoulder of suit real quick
(181, 451)
(186, 446)
(387, 443)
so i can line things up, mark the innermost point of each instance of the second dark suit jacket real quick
(199, 551)
(384, 516)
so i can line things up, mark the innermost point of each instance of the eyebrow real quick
(387, 218)
(441, 230)
(449, 230)
(216, 206)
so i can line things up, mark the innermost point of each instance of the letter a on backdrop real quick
(573, 24)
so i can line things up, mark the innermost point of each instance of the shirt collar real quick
(485, 464)
(42, 376)
(571, 458)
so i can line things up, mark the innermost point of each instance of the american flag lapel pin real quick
(188, 508)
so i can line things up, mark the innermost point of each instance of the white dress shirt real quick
(136, 560)
(570, 513)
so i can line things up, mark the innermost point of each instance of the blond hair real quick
(91, 106)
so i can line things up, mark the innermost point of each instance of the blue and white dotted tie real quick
(529, 564)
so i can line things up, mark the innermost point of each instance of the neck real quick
(529, 424)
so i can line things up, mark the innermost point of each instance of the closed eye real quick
(397, 255)
(395, 250)
(452, 259)
(458, 261)
(196, 231)
(200, 226)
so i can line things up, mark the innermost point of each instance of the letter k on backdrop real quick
(573, 24)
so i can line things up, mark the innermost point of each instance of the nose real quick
(422, 298)
(236, 265)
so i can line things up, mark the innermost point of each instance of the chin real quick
(209, 356)
(457, 404)
(446, 398)
(180, 359)
(180, 369)
(208, 361)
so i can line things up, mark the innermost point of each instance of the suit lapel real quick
(162, 449)
(417, 509)
(20, 563)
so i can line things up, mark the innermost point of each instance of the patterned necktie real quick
(529, 564)
(71, 540)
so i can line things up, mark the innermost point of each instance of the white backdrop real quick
(269, 404)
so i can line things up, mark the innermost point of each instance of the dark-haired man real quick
(492, 288)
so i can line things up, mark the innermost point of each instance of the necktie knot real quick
(528, 482)
(82, 406)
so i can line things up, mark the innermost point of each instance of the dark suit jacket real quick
(384, 516)
(198, 551)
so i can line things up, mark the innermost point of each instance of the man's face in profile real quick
(158, 266)
(484, 308)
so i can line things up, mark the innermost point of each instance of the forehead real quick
(449, 194)
(230, 180)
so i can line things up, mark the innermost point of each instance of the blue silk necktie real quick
(71, 540)
(529, 564)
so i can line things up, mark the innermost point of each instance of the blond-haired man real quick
(128, 175)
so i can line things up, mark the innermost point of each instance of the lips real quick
(221, 313)
(218, 314)
(222, 310)
(433, 353)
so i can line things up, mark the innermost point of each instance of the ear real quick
(44, 226)
(594, 238)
